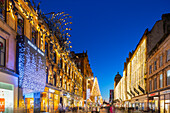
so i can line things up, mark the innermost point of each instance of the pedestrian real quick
(111, 109)
(60, 108)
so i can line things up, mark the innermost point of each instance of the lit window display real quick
(6, 98)
(50, 100)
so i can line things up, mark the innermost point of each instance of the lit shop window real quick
(168, 55)
(168, 77)
(20, 25)
(2, 51)
(161, 81)
(2, 9)
(6, 98)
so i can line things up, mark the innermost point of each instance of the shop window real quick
(34, 36)
(150, 69)
(155, 83)
(168, 55)
(168, 77)
(2, 9)
(20, 25)
(46, 48)
(155, 65)
(150, 85)
(160, 61)
(161, 81)
(6, 98)
(2, 51)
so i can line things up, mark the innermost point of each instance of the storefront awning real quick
(140, 88)
(136, 91)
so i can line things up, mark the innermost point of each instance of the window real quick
(168, 77)
(168, 55)
(155, 66)
(150, 69)
(46, 48)
(2, 9)
(34, 36)
(155, 83)
(20, 25)
(54, 58)
(2, 51)
(160, 59)
(150, 85)
(161, 81)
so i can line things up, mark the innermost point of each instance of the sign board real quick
(31, 66)
(153, 94)
(2, 105)
(88, 94)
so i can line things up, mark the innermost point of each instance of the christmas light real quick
(31, 61)
(95, 88)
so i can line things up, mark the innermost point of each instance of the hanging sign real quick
(2, 105)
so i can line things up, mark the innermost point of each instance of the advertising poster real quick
(2, 105)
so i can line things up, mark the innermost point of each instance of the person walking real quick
(60, 108)
(111, 109)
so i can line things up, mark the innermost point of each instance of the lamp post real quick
(87, 79)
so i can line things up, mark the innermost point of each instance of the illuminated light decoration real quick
(31, 67)
(95, 88)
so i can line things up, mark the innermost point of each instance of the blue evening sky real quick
(108, 30)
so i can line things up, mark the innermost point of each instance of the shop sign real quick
(2, 105)
(165, 92)
(153, 94)
(51, 90)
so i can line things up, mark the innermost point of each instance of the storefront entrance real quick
(165, 101)
(49, 100)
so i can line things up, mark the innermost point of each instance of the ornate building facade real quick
(42, 75)
(146, 86)
(158, 62)
(82, 61)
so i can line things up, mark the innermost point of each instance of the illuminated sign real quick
(2, 105)
(31, 66)
(153, 94)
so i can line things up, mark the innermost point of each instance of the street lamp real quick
(87, 79)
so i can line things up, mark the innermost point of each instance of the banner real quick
(88, 94)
